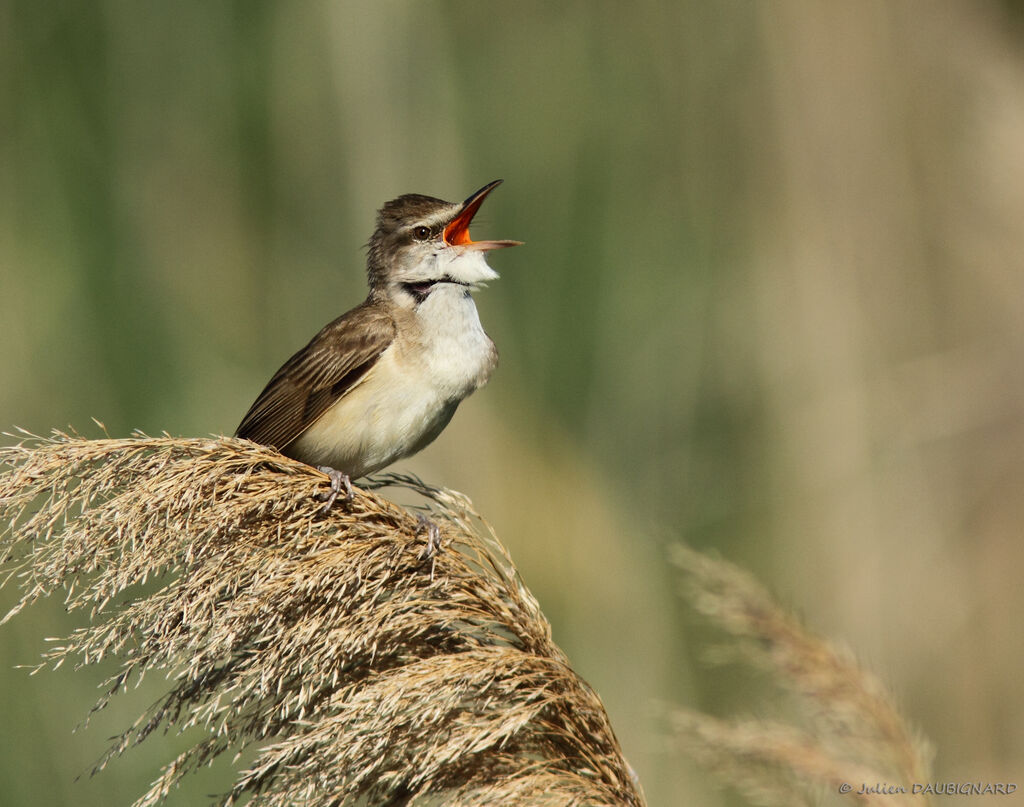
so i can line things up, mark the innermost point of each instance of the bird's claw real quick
(339, 482)
(433, 540)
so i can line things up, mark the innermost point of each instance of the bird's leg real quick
(433, 540)
(433, 536)
(339, 482)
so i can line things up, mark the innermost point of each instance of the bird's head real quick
(422, 243)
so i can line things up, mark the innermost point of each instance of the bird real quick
(382, 381)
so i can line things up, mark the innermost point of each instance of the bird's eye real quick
(421, 233)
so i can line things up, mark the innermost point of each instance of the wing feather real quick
(313, 379)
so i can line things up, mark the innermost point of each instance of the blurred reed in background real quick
(771, 301)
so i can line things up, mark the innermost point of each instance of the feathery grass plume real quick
(855, 736)
(359, 670)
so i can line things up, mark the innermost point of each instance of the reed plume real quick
(854, 733)
(355, 666)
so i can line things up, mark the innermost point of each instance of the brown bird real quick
(383, 380)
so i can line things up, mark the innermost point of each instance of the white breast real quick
(455, 351)
(410, 394)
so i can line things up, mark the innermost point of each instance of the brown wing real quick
(318, 375)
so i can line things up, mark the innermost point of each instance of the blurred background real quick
(771, 302)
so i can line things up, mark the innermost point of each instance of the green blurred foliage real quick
(770, 302)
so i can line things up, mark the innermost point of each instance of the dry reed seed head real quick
(324, 642)
(773, 764)
(856, 732)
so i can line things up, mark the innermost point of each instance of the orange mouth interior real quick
(457, 233)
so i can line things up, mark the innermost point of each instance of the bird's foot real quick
(339, 482)
(433, 540)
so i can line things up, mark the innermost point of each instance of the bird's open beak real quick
(456, 234)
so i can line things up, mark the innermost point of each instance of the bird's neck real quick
(449, 340)
(448, 313)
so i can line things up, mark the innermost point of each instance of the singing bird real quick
(380, 382)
